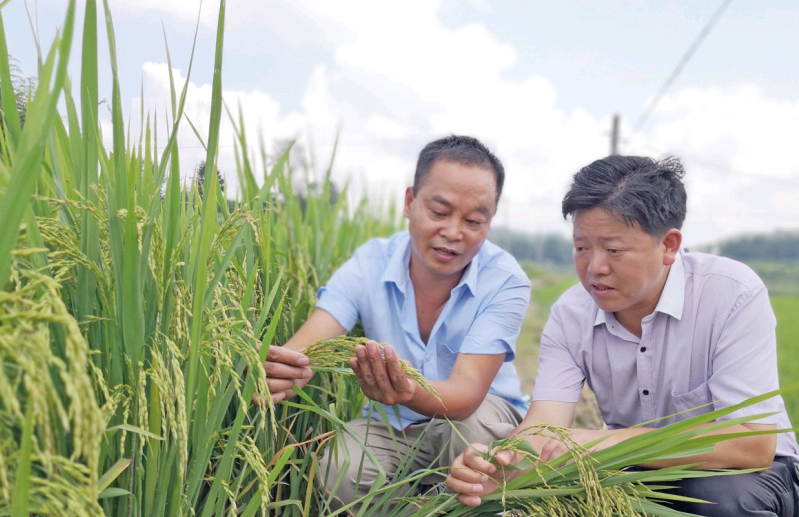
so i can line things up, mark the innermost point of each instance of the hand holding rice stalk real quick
(334, 354)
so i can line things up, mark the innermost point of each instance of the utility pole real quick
(614, 135)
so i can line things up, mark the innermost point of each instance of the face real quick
(449, 219)
(623, 268)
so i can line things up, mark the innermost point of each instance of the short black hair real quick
(465, 150)
(639, 189)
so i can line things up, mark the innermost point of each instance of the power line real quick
(678, 69)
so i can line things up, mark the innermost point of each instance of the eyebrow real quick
(612, 238)
(482, 209)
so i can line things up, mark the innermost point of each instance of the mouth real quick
(601, 288)
(446, 251)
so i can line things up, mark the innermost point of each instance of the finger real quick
(504, 457)
(472, 459)
(281, 354)
(364, 366)
(278, 385)
(551, 450)
(399, 380)
(465, 487)
(469, 500)
(280, 370)
(260, 400)
(378, 366)
(467, 476)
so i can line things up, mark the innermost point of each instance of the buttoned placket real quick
(645, 372)
(430, 365)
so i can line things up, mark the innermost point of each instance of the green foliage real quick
(550, 249)
(130, 317)
(781, 278)
(786, 310)
(778, 246)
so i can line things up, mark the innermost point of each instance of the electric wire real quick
(679, 68)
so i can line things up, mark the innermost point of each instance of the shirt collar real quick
(398, 270)
(672, 299)
(469, 277)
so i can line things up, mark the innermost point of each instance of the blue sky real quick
(537, 81)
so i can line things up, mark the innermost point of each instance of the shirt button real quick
(645, 392)
(643, 349)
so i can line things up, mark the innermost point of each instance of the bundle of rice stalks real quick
(599, 483)
(334, 354)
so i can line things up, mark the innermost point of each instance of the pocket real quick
(690, 402)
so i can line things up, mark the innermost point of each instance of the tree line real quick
(555, 249)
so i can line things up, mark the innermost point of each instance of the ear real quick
(671, 242)
(408, 201)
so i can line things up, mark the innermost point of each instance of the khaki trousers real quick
(349, 473)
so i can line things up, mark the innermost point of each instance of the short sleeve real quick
(745, 358)
(342, 295)
(559, 377)
(496, 327)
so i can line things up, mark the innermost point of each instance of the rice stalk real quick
(334, 355)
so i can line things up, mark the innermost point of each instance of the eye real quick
(613, 251)
(579, 248)
(436, 213)
(473, 222)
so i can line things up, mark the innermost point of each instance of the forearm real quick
(736, 453)
(457, 401)
(462, 392)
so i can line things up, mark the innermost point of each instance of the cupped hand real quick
(381, 375)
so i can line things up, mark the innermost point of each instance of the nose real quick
(598, 264)
(451, 229)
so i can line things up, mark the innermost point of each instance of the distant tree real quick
(23, 88)
(542, 248)
(779, 246)
(305, 186)
(199, 173)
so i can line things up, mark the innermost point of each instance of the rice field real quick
(786, 309)
(135, 314)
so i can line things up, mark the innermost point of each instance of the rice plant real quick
(131, 308)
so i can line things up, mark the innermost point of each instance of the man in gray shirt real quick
(656, 331)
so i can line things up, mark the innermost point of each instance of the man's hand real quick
(382, 379)
(472, 477)
(556, 448)
(285, 368)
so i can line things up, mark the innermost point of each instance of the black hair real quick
(465, 150)
(638, 189)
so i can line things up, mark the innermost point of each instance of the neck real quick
(430, 285)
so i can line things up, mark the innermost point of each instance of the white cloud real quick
(736, 145)
(260, 114)
(400, 84)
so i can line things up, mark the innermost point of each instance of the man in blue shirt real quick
(446, 301)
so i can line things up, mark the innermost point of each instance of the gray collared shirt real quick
(711, 339)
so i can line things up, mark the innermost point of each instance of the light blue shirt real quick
(482, 316)
(711, 340)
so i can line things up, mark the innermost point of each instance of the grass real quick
(130, 307)
(786, 310)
